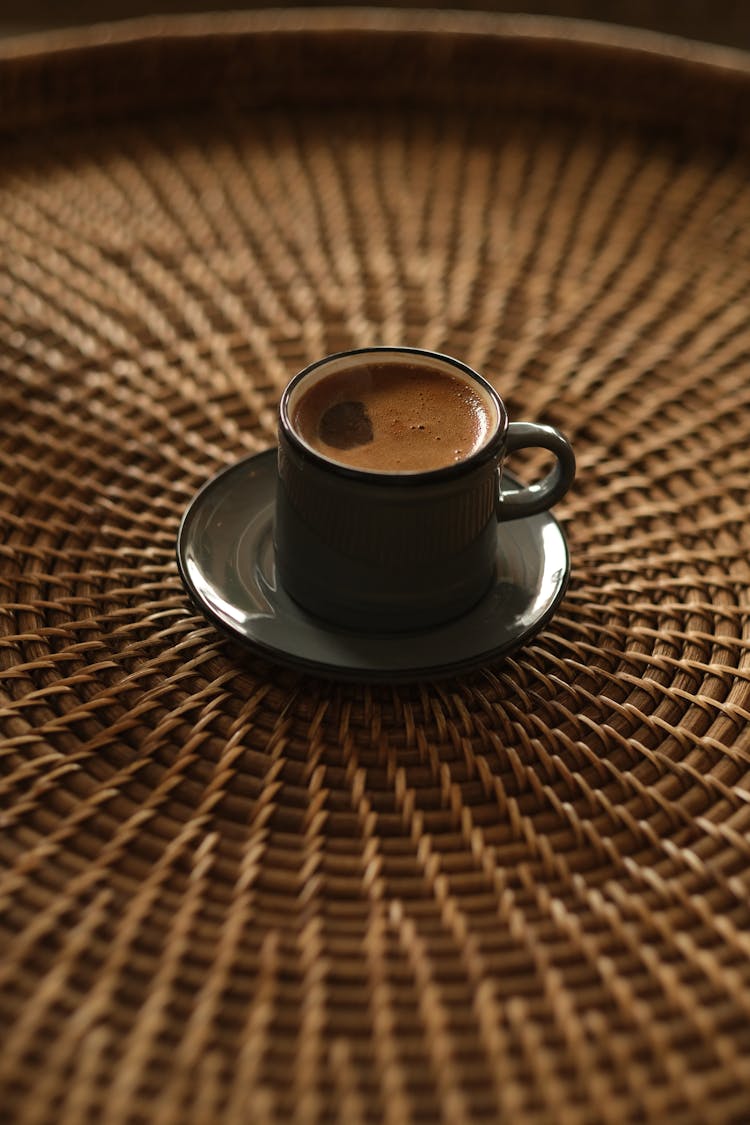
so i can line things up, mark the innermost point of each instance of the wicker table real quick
(234, 893)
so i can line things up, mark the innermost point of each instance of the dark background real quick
(718, 21)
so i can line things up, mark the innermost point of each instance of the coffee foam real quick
(394, 416)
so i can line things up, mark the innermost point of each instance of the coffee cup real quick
(389, 488)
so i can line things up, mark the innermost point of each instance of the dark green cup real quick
(393, 551)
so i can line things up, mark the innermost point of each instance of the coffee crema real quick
(388, 417)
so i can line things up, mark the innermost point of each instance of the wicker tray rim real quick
(579, 33)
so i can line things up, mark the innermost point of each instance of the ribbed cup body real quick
(384, 552)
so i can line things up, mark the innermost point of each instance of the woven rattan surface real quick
(234, 893)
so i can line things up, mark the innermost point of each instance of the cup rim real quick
(487, 452)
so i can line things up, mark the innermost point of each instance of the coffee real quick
(393, 417)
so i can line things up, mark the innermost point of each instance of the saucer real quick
(226, 559)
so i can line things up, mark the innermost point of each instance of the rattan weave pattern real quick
(234, 893)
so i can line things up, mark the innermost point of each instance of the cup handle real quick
(546, 492)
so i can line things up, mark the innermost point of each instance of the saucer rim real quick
(359, 673)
